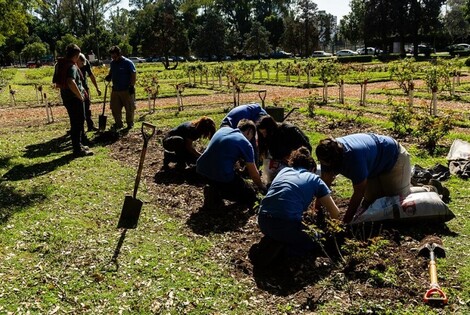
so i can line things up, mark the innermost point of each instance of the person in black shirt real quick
(178, 142)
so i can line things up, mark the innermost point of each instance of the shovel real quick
(432, 249)
(131, 209)
(102, 118)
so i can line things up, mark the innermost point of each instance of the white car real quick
(137, 59)
(346, 52)
(362, 51)
(321, 53)
(462, 46)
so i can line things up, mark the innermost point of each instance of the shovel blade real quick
(102, 122)
(130, 213)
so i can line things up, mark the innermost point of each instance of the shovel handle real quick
(435, 295)
(148, 131)
(146, 127)
(262, 96)
(104, 99)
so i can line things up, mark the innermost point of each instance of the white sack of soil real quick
(419, 206)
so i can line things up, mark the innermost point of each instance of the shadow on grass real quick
(179, 176)
(56, 145)
(5, 162)
(227, 218)
(108, 137)
(398, 230)
(20, 172)
(288, 275)
(12, 201)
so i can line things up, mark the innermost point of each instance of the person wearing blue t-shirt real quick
(288, 197)
(217, 164)
(377, 166)
(122, 73)
(251, 112)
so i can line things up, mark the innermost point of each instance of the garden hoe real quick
(102, 118)
(431, 248)
(131, 209)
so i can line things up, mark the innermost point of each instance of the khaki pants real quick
(120, 99)
(394, 182)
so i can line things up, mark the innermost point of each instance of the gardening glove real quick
(131, 89)
(108, 77)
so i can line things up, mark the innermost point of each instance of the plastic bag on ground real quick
(419, 206)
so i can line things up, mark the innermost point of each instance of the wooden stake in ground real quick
(12, 96)
(50, 116)
(179, 90)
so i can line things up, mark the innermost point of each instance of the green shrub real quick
(359, 58)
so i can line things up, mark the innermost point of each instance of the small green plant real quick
(432, 129)
(401, 117)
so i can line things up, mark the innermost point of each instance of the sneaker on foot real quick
(92, 128)
(82, 153)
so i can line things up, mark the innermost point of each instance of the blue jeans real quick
(291, 233)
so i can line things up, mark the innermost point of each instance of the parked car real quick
(280, 54)
(321, 53)
(345, 52)
(33, 64)
(370, 51)
(424, 49)
(137, 59)
(152, 59)
(460, 47)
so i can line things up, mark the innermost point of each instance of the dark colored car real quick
(424, 49)
(280, 54)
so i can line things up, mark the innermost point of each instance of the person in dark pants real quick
(178, 143)
(67, 77)
(85, 68)
(217, 164)
(122, 72)
(281, 210)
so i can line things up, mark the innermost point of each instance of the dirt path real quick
(10, 116)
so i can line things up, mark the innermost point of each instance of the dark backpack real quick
(61, 68)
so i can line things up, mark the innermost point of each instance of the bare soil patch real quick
(388, 276)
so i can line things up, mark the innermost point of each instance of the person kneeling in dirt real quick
(377, 166)
(251, 112)
(178, 143)
(281, 210)
(217, 163)
(278, 140)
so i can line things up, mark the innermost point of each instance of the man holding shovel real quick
(122, 73)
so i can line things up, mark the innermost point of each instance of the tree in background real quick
(271, 14)
(326, 29)
(210, 36)
(34, 51)
(257, 41)
(305, 14)
(165, 35)
(237, 13)
(457, 27)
